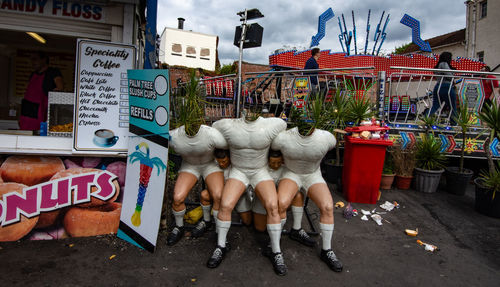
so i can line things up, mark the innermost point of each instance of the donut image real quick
(47, 219)
(93, 221)
(93, 201)
(30, 170)
(48, 234)
(17, 230)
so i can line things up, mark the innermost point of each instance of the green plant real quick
(227, 69)
(388, 164)
(314, 115)
(171, 174)
(404, 160)
(428, 122)
(190, 107)
(490, 115)
(491, 180)
(429, 155)
(338, 111)
(464, 121)
(401, 49)
(359, 109)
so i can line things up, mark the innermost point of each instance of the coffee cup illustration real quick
(105, 138)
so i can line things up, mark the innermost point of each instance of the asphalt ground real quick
(373, 255)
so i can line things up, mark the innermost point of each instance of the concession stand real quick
(67, 179)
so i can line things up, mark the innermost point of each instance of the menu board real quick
(101, 102)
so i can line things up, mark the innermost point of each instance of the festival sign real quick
(147, 157)
(300, 92)
(101, 102)
(44, 198)
(75, 10)
(472, 93)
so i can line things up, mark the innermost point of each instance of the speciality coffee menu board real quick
(101, 102)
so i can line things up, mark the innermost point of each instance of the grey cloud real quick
(294, 22)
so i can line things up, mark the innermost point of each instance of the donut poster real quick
(43, 198)
(147, 157)
(101, 102)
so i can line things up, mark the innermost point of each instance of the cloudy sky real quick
(292, 23)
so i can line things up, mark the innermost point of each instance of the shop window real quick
(484, 9)
(191, 52)
(177, 49)
(205, 54)
(480, 56)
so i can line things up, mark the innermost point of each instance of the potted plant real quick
(430, 164)
(359, 109)
(338, 110)
(387, 172)
(457, 178)
(404, 164)
(488, 184)
(428, 123)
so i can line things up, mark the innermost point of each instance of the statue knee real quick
(282, 206)
(204, 195)
(225, 207)
(327, 209)
(272, 208)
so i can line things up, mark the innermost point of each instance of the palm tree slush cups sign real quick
(147, 157)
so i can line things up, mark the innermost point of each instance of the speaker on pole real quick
(253, 36)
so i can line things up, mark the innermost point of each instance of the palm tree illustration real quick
(147, 165)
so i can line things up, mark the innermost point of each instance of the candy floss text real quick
(56, 194)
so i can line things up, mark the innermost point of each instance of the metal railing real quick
(417, 92)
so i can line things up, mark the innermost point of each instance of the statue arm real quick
(218, 140)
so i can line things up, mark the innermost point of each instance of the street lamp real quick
(240, 39)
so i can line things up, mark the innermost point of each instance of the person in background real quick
(44, 79)
(311, 64)
(488, 85)
(444, 90)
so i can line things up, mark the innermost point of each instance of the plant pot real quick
(427, 180)
(484, 202)
(403, 182)
(386, 181)
(333, 173)
(456, 182)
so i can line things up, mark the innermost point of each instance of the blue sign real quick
(414, 24)
(147, 157)
(149, 92)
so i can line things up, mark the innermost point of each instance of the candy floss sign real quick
(56, 194)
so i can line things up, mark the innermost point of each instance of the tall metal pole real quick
(242, 40)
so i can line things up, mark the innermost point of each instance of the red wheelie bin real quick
(363, 165)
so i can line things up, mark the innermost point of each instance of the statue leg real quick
(230, 194)
(287, 189)
(266, 191)
(215, 184)
(183, 185)
(321, 196)
(297, 210)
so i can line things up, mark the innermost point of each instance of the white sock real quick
(274, 231)
(222, 229)
(216, 213)
(283, 221)
(179, 217)
(206, 212)
(326, 235)
(297, 212)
